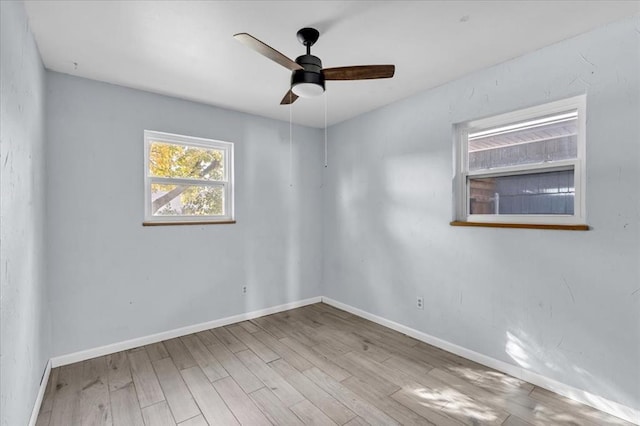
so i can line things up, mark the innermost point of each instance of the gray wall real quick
(25, 334)
(111, 278)
(563, 304)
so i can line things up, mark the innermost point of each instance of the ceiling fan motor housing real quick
(311, 74)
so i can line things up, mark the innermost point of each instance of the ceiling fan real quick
(308, 76)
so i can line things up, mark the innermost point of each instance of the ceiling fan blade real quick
(289, 98)
(266, 50)
(359, 72)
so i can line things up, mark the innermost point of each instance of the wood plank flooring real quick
(315, 365)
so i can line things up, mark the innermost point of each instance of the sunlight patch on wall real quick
(515, 349)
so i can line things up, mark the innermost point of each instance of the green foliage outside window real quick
(186, 162)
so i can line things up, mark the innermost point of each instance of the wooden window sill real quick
(225, 222)
(522, 225)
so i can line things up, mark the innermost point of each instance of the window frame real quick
(227, 184)
(462, 173)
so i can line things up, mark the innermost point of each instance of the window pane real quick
(187, 200)
(550, 139)
(538, 193)
(181, 161)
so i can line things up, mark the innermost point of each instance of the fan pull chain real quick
(291, 144)
(325, 129)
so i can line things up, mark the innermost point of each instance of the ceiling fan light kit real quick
(307, 75)
(307, 89)
(309, 81)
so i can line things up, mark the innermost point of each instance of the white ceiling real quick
(186, 49)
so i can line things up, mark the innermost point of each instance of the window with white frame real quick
(526, 167)
(187, 179)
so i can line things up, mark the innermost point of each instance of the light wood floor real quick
(315, 365)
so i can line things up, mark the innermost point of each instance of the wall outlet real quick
(244, 289)
(419, 302)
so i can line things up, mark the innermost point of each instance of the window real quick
(187, 179)
(523, 167)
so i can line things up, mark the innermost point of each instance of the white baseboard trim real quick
(40, 396)
(616, 409)
(178, 332)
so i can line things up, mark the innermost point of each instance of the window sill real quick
(522, 225)
(220, 222)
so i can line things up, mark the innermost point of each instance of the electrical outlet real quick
(419, 302)
(244, 289)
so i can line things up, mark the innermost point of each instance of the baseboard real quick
(40, 396)
(616, 409)
(178, 332)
